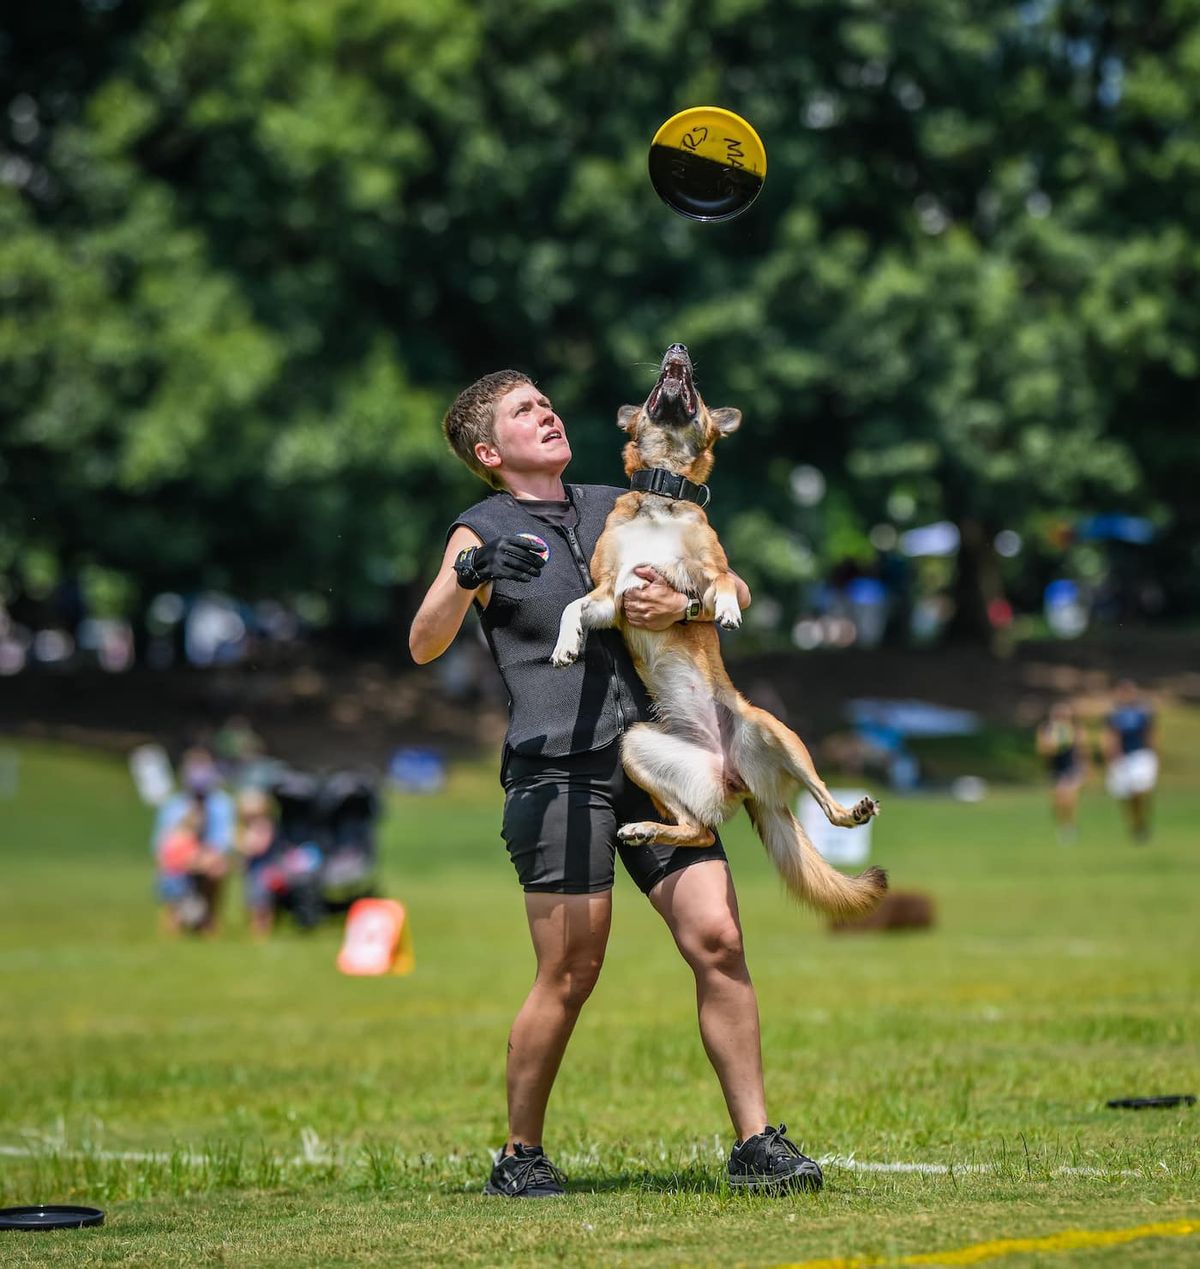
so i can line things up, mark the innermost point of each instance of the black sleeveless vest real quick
(581, 707)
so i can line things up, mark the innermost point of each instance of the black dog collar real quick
(669, 484)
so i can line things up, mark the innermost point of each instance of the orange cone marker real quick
(378, 939)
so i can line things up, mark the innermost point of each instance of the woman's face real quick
(528, 436)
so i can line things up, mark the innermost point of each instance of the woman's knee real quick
(717, 946)
(571, 980)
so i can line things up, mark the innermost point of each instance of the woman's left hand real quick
(656, 605)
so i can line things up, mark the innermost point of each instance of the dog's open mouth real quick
(673, 398)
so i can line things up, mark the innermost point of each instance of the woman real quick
(521, 556)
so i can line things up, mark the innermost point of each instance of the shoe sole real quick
(492, 1192)
(772, 1184)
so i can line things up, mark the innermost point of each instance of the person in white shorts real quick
(1131, 752)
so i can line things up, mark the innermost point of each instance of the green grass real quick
(287, 1115)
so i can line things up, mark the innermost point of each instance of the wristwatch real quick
(464, 567)
(691, 612)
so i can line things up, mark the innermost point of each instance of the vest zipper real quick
(580, 560)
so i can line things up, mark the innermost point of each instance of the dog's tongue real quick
(674, 391)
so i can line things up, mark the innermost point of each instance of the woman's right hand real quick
(509, 557)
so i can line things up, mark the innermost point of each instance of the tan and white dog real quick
(710, 750)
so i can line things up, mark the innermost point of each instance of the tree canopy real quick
(248, 254)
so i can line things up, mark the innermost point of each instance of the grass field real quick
(240, 1103)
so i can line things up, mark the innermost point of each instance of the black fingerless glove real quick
(511, 558)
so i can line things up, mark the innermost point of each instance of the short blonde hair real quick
(471, 419)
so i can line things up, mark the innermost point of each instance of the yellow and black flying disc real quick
(707, 163)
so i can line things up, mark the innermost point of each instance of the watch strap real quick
(464, 568)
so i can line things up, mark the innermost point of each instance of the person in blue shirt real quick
(1131, 751)
(193, 843)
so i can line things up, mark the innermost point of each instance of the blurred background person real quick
(193, 840)
(1131, 751)
(238, 749)
(257, 839)
(1060, 742)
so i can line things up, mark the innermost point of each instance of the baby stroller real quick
(323, 856)
(349, 809)
(290, 870)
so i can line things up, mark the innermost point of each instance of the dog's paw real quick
(564, 654)
(864, 810)
(640, 834)
(729, 616)
(569, 645)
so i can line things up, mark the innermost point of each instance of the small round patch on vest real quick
(538, 544)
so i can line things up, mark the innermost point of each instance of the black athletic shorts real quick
(561, 817)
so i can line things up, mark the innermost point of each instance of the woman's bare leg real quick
(699, 906)
(570, 933)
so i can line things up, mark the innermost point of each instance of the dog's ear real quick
(625, 416)
(726, 420)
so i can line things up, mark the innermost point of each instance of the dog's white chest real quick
(647, 540)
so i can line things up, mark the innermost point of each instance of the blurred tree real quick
(249, 252)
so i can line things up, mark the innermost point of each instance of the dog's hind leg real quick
(685, 781)
(805, 872)
(766, 746)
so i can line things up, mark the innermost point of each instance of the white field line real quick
(126, 1156)
(315, 1154)
(945, 1169)
(312, 1151)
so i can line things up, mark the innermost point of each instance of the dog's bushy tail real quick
(808, 877)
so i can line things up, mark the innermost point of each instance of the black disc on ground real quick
(50, 1216)
(1145, 1103)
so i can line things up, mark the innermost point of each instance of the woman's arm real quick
(657, 606)
(441, 613)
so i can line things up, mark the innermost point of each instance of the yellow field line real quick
(1067, 1240)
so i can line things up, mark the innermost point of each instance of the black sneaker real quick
(771, 1163)
(526, 1173)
